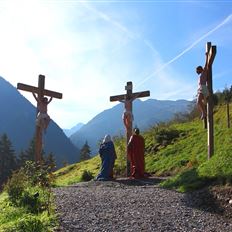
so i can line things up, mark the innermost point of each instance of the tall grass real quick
(26, 203)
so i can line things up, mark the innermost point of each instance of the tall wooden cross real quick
(41, 92)
(210, 55)
(129, 97)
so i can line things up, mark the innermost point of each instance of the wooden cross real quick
(128, 98)
(210, 55)
(41, 92)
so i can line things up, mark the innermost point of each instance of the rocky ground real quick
(129, 205)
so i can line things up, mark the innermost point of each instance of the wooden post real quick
(128, 89)
(205, 120)
(129, 97)
(38, 129)
(41, 92)
(211, 53)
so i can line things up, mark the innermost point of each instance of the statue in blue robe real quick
(108, 156)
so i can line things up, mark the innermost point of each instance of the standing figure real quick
(108, 156)
(202, 91)
(136, 147)
(43, 118)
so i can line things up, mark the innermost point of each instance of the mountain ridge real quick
(74, 129)
(146, 114)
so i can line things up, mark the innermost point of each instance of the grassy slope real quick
(12, 217)
(185, 159)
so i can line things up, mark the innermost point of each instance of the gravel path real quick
(127, 205)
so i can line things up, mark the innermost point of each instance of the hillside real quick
(17, 120)
(146, 114)
(182, 157)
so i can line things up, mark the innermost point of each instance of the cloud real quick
(166, 64)
(85, 53)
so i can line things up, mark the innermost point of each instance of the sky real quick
(88, 50)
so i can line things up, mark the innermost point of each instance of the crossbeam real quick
(134, 95)
(33, 89)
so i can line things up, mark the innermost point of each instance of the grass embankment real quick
(176, 150)
(13, 218)
(26, 203)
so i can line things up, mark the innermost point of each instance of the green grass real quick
(26, 201)
(72, 174)
(19, 219)
(183, 158)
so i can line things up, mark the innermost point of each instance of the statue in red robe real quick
(136, 147)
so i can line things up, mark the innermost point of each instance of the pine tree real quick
(85, 152)
(27, 155)
(22, 158)
(30, 152)
(7, 159)
(227, 98)
(50, 162)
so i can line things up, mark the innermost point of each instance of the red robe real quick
(136, 148)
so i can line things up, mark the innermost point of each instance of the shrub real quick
(86, 176)
(15, 187)
(30, 224)
(39, 174)
(165, 136)
(31, 201)
(30, 188)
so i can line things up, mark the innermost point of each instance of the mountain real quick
(146, 114)
(74, 129)
(17, 120)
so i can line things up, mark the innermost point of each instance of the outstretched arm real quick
(204, 74)
(35, 96)
(50, 100)
(206, 60)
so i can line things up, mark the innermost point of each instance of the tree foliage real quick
(85, 152)
(222, 97)
(7, 158)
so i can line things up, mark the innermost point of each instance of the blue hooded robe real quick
(108, 156)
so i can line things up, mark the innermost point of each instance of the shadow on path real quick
(140, 182)
(203, 200)
(151, 181)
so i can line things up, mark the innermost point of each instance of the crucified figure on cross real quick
(202, 91)
(42, 117)
(127, 116)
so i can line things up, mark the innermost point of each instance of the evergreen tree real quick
(7, 159)
(227, 98)
(85, 152)
(227, 95)
(27, 155)
(22, 158)
(30, 152)
(50, 162)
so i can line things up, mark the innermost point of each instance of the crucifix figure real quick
(42, 118)
(127, 117)
(205, 95)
